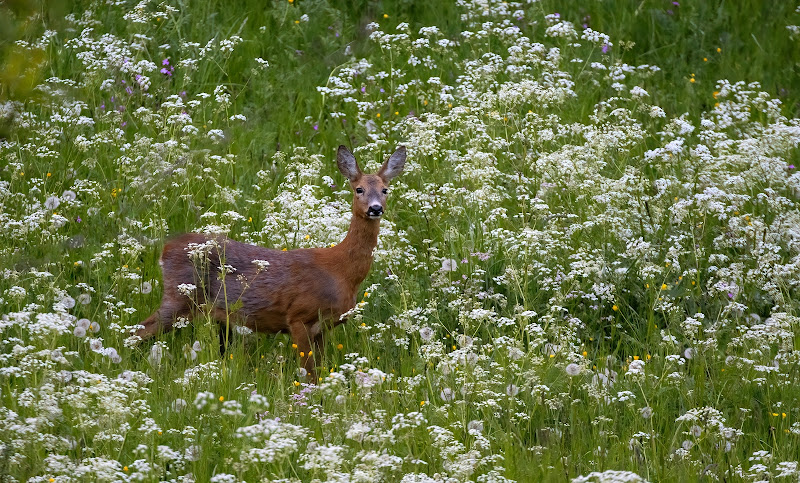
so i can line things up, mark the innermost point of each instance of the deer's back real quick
(301, 284)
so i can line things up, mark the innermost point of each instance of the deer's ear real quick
(394, 165)
(347, 164)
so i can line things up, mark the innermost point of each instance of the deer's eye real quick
(384, 191)
(359, 190)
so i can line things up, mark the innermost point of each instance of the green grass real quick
(580, 235)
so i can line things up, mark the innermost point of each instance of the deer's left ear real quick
(394, 165)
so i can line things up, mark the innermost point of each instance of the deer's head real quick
(370, 189)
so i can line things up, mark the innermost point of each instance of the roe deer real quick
(299, 289)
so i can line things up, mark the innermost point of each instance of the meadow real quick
(589, 270)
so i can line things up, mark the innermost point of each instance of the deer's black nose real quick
(375, 210)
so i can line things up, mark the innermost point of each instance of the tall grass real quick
(588, 271)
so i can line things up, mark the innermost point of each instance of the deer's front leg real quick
(306, 339)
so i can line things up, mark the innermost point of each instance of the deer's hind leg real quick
(176, 269)
(173, 305)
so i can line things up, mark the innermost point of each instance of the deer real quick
(297, 291)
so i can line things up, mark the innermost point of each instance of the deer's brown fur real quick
(300, 289)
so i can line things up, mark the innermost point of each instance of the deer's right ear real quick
(347, 164)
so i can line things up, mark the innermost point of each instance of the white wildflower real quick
(573, 369)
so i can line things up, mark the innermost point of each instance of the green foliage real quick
(590, 262)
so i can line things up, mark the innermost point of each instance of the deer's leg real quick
(224, 338)
(315, 331)
(225, 323)
(306, 338)
(173, 305)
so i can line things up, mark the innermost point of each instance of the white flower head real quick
(156, 353)
(261, 265)
(465, 341)
(17, 293)
(636, 367)
(187, 288)
(515, 353)
(475, 425)
(113, 355)
(67, 302)
(179, 404)
(192, 453)
(52, 202)
(189, 352)
(447, 394)
(449, 265)
(572, 369)
(426, 333)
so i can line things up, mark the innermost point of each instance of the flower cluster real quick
(572, 276)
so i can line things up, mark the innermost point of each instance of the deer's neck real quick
(357, 247)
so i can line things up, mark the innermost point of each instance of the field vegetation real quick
(588, 271)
